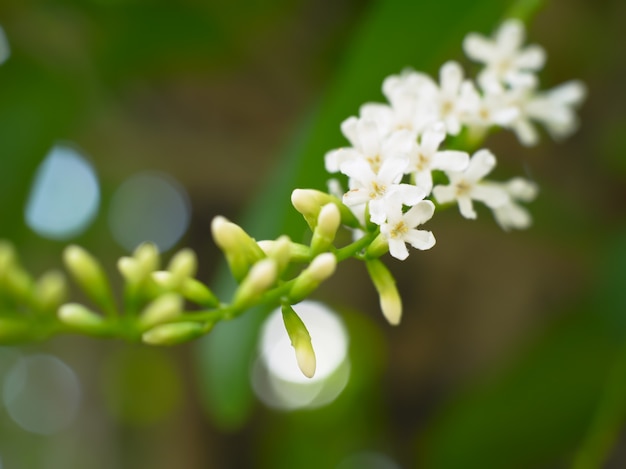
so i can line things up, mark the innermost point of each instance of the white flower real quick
(424, 157)
(467, 186)
(506, 62)
(400, 228)
(511, 214)
(553, 108)
(368, 186)
(412, 97)
(369, 143)
(494, 108)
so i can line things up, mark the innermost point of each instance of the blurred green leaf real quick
(394, 34)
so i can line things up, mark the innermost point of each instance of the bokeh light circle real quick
(276, 378)
(65, 195)
(149, 206)
(41, 394)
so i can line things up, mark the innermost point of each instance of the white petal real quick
(348, 129)
(432, 138)
(398, 249)
(478, 48)
(490, 194)
(510, 35)
(531, 58)
(525, 132)
(419, 239)
(444, 194)
(466, 207)
(358, 169)
(378, 211)
(368, 137)
(356, 197)
(424, 180)
(407, 193)
(392, 169)
(450, 160)
(450, 77)
(419, 213)
(335, 158)
(512, 216)
(571, 92)
(480, 165)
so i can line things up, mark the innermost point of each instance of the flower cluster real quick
(396, 148)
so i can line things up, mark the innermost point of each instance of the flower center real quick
(377, 190)
(399, 230)
(462, 188)
(375, 162)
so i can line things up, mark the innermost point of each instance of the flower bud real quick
(390, 301)
(322, 267)
(50, 291)
(261, 277)
(183, 265)
(88, 273)
(328, 223)
(309, 202)
(297, 252)
(378, 247)
(199, 293)
(279, 250)
(164, 279)
(81, 318)
(8, 256)
(300, 341)
(162, 309)
(175, 333)
(241, 250)
(19, 284)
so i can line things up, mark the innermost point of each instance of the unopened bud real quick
(328, 223)
(261, 277)
(199, 293)
(19, 283)
(147, 256)
(300, 340)
(309, 202)
(378, 247)
(81, 318)
(280, 251)
(297, 252)
(322, 267)
(51, 290)
(175, 333)
(88, 273)
(241, 251)
(164, 279)
(7, 256)
(390, 301)
(184, 264)
(161, 310)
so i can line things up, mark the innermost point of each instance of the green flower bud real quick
(300, 340)
(82, 319)
(183, 265)
(309, 202)
(390, 301)
(378, 247)
(328, 223)
(322, 267)
(241, 250)
(162, 309)
(261, 277)
(175, 333)
(19, 284)
(50, 291)
(297, 252)
(87, 272)
(8, 257)
(199, 293)
(136, 269)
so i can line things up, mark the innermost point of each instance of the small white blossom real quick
(400, 228)
(553, 108)
(425, 156)
(467, 186)
(366, 186)
(512, 214)
(506, 62)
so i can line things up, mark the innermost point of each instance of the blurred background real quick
(126, 120)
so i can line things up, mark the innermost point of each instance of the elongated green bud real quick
(183, 265)
(309, 202)
(322, 267)
(19, 284)
(199, 293)
(87, 272)
(378, 247)
(8, 257)
(136, 269)
(175, 333)
(80, 318)
(261, 277)
(390, 301)
(328, 223)
(300, 341)
(241, 251)
(50, 291)
(279, 250)
(162, 309)
(297, 252)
